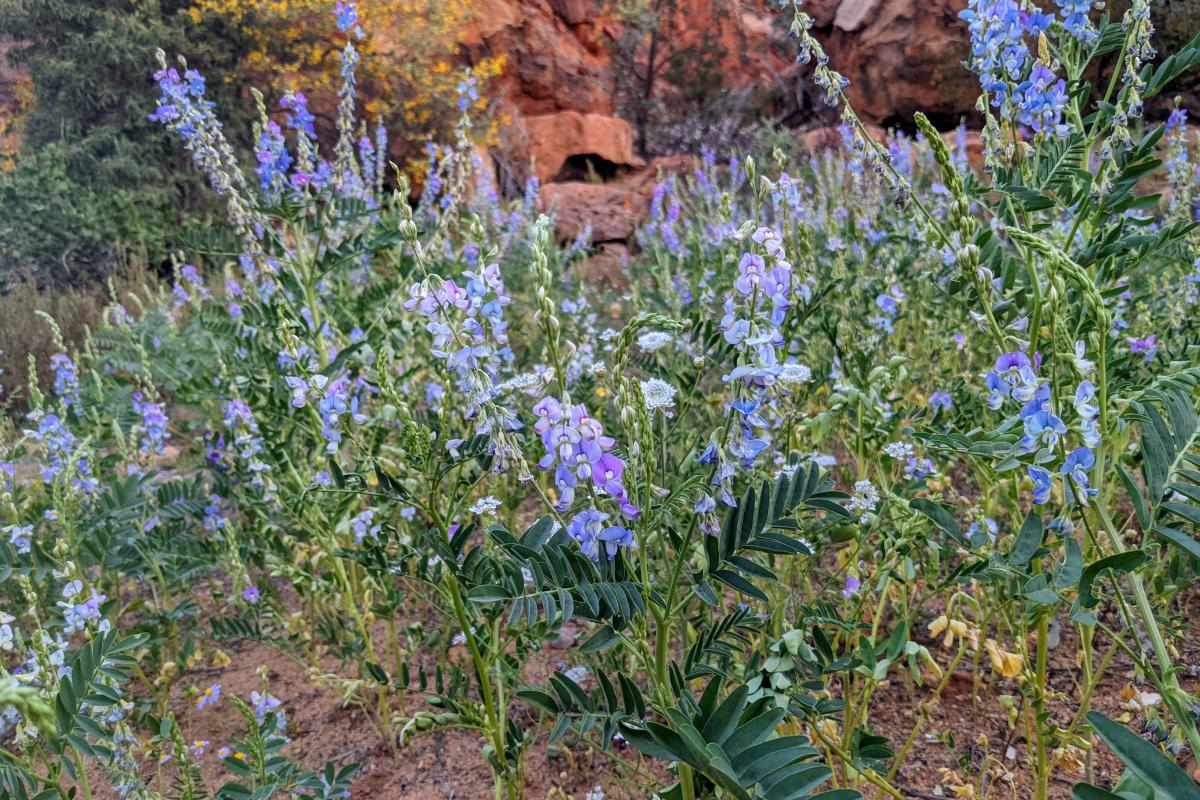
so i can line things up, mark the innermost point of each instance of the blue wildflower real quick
(1042, 484)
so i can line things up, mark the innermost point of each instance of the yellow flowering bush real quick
(411, 59)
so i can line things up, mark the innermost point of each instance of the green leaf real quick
(541, 699)
(735, 581)
(1085, 791)
(603, 638)
(1120, 563)
(488, 593)
(1028, 540)
(1180, 539)
(1037, 592)
(1135, 496)
(1071, 569)
(1144, 760)
(941, 516)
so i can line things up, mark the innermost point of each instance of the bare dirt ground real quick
(967, 734)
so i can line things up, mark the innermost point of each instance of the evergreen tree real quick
(95, 174)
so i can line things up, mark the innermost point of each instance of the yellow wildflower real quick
(1006, 663)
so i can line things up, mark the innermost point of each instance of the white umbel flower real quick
(898, 450)
(794, 374)
(653, 340)
(658, 394)
(485, 506)
(865, 498)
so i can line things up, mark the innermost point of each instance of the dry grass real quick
(25, 333)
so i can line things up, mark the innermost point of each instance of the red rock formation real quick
(901, 56)
(555, 138)
(559, 51)
(611, 211)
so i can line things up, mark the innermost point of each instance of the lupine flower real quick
(1043, 99)
(153, 424)
(917, 468)
(941, 401)
(239, 421)
(214, 517)
(20, 537)
(1148, 346)
(1082, 365)
(473, 348)
(977, 534)
(1076, 467)
(889, 307)
(273, 159)
(265, 703)
(577, 449)
(1032, 96)
(335, 402)
(746, 445)
(1012, 376)
(251, 594)
(60, 446)
(1089, 413)
(77, 615)
(304, 390)
(364, 525)
(1076, 22)
(1042, 484)
(1042, 429)
(588, 529)
(66, 379)
(183, 109)
(346, 15)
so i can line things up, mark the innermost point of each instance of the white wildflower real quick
(485, 506)
(898, 450)
(578, 674)
(653, 340)
(658, 394)
(794, 373)
(865, 498)
(520, 383)
(821, 460)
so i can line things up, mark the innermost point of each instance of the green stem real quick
(81, 771)
(495, 729)
(1042, 775)
(1146, 612)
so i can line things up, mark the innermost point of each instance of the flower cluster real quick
(1023, 89)
(152, 424)
(66, 379)
(588, 528)
(578, 452)
(470, 335)
(1014, 377)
